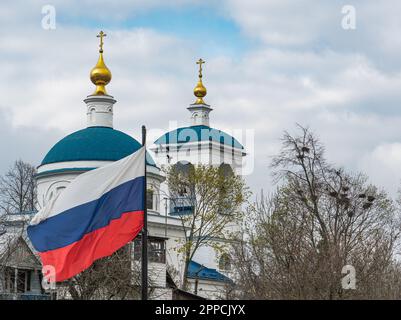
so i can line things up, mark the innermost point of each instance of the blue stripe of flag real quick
(71, 225)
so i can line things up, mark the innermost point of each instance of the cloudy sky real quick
(270, 64)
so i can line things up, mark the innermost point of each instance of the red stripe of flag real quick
(78, 256)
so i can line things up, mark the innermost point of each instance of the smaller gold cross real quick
(200, 62)
(101, 35)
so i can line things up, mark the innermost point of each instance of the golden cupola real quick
(199, 109)
(100, 75)
(200, 90)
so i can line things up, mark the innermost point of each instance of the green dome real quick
(198, 133)
(94, 143)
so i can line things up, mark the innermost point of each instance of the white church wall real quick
(204, 152)
(172, 231)
(175, 259)
(71, 164)
(154, 180)
(99, 110)
(157, 274)
(207, 257)
(161, 294)
(213, 290)
(48, 187)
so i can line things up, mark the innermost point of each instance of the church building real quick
(101, 143)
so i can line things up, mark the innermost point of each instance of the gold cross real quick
(200, 62)
(101, 35)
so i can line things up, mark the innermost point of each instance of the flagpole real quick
(145, 230)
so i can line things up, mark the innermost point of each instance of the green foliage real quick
(215, 196)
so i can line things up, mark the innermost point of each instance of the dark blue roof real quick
(198, 133)
(94, 143)
(198, 271)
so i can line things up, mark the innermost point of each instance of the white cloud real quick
(305, 69)
(281, 22)
(383, 164)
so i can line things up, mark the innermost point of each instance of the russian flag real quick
(97, 214)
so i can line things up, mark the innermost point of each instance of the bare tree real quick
(208, 200)
(319, 220)
(18, 189)
(115, 277)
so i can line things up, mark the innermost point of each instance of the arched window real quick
(183, 168)
(54, 190)
(225, 262)
(92, 114)
(149, 199)
(226, 170)
(180, 201)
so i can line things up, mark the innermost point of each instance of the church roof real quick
(198, 271)
(198, 133)
(94, 143)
